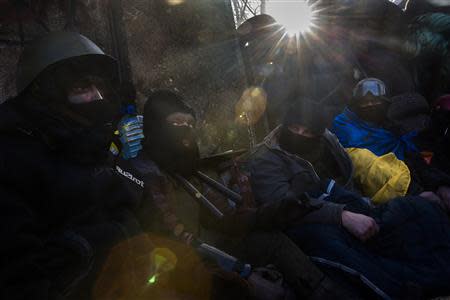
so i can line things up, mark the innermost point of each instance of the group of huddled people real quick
(99, 203)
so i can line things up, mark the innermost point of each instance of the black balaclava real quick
(311, 115)
(309, 148)
(173, 148)
(81, 131)
(375, 114)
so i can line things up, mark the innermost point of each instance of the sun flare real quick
(296, 16)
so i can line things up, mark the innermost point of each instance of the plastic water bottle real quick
(131, 134)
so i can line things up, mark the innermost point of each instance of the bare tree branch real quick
(244, 9)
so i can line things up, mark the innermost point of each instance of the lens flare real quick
(152, 280)
(296, 16)
(251, 106)
(175, 2)
(163, 260)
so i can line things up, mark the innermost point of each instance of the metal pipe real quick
(235, 197)
(197, 195)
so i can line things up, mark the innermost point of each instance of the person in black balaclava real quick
(169, 133)
(86, 114)
(296, 155)
(302, 130)
(58, 197)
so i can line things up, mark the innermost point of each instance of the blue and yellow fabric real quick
(353, 132)
(380, 178)
(377, 156)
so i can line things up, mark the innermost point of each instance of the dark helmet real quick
(261, 30)
(258, 24)
(59, 47)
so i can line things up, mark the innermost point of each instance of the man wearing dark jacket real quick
(62, 207)
(302, 158)
(297, 154)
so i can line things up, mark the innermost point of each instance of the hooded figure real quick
(169, 133)
(59, 198)
(66, 93)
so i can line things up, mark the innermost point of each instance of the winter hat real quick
(411, 111)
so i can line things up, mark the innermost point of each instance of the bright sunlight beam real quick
(295, 16)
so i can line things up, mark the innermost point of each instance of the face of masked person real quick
(94, 116)
(298, 140)
(173, 145)
(371, 109)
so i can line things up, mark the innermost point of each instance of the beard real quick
(174, 149)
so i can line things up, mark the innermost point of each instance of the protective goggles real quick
(370, 85)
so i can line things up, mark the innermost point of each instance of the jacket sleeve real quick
(272, 183)
(269, 180)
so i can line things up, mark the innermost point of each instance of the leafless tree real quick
(245, 9)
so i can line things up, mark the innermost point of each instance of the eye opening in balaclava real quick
(171, 143)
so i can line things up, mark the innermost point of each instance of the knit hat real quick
(411, 111)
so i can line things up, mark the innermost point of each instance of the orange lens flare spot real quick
(251, 106)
